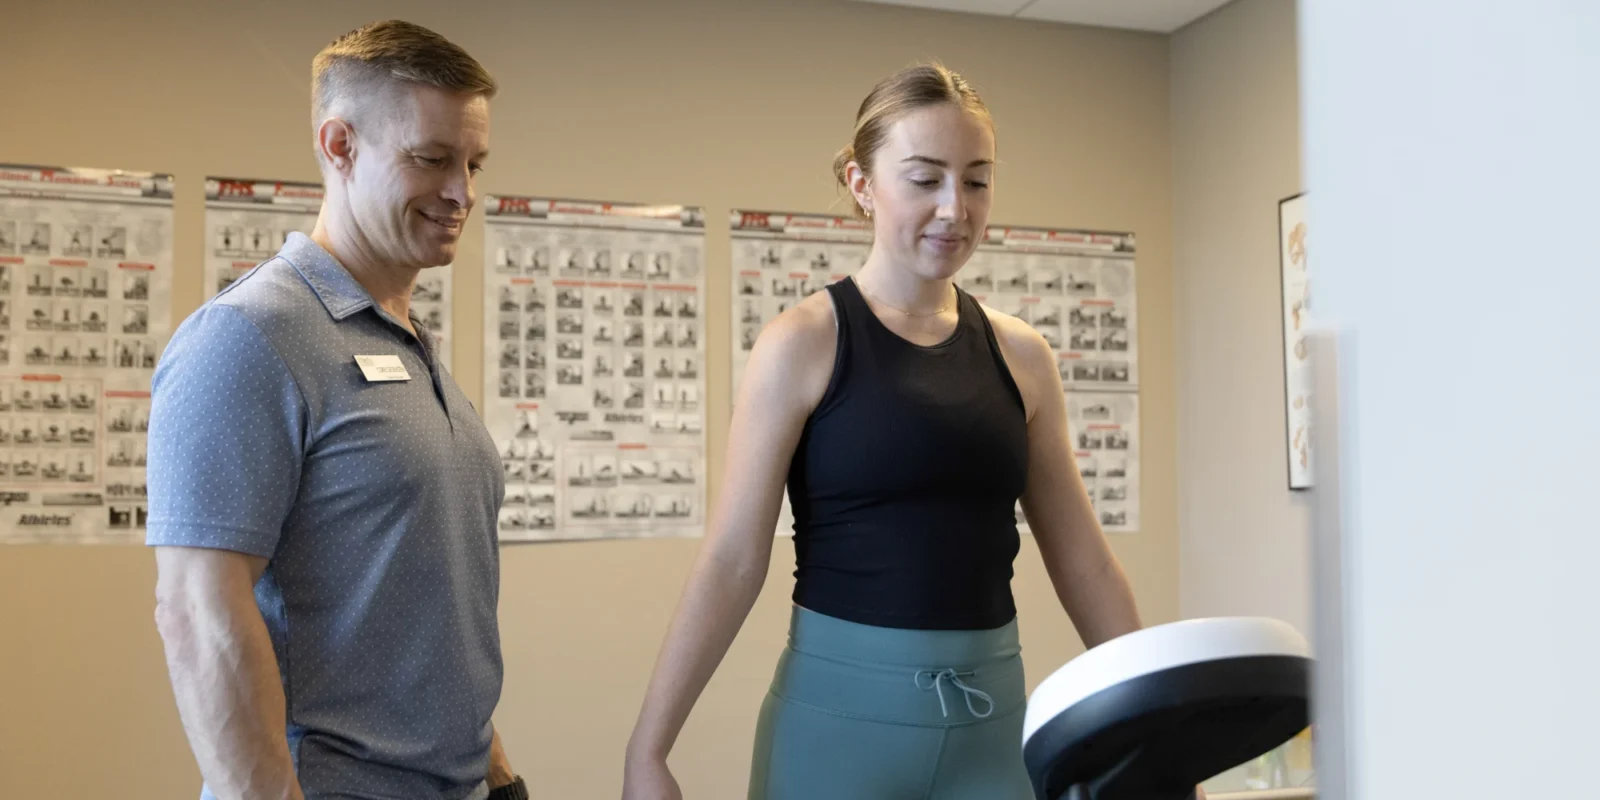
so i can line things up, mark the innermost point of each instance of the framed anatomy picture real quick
(1296, 364)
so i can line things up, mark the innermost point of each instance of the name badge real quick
(382, 368)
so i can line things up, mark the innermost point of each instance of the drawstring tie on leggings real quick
(936, 679)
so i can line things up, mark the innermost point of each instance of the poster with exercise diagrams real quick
(778, 260)
(1077, 289)
(85, 310)
(1105, 438)
(594, 366)
(248, 221)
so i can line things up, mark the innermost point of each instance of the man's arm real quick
(228, 427)
(224, 673)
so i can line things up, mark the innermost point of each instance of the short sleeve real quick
(226, 437)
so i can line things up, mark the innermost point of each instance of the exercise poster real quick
(594, 373)
(85, 311)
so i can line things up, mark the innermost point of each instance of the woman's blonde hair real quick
(903, 92)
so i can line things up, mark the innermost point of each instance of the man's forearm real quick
(228, 689)
(500, 771)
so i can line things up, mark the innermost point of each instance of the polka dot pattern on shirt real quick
(375, 503)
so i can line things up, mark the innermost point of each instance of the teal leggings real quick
(858, 712)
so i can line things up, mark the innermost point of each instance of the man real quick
(323, 497)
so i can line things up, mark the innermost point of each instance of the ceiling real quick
(1160, 16)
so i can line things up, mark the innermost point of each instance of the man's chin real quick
(436, 254)
(444, 258)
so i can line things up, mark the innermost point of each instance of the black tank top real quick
(906, 477)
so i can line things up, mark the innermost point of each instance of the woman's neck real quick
(903, 290)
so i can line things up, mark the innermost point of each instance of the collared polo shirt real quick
(375, 505)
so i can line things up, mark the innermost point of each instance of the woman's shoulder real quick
(795, 351)
(1022, 344)
(807, 325)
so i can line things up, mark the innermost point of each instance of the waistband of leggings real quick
(818, 634)
(931, 678)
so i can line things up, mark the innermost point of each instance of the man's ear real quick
(336, 143)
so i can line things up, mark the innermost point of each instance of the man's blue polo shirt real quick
(375, 504)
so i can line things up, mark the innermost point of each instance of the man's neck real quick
(389, 285)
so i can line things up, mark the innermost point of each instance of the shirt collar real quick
(338, 290)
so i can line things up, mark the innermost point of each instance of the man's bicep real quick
(226, 438)
(207, 573)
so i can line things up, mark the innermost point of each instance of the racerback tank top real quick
(906, 477)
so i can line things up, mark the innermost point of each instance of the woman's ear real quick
(860, 186)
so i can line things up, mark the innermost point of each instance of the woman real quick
(906, 420)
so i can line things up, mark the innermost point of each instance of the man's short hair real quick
(359, 63)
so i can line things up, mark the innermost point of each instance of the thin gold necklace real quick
(935, 312)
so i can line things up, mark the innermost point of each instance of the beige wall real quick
(714, 102)
(1236, 152)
